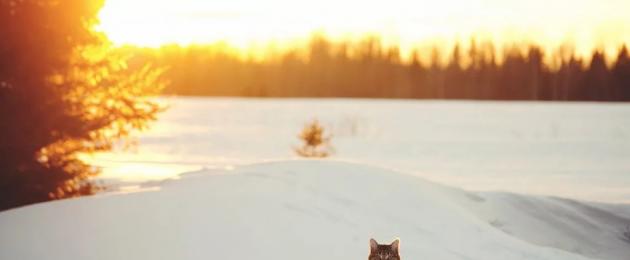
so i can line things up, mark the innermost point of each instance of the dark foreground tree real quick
(63, 93)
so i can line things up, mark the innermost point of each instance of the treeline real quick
(369, 69)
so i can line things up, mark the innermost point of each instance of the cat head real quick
(384, 252)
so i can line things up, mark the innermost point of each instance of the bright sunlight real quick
(587, 24)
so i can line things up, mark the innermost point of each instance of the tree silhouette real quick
(594, 85)
(63, 93)
(367, 68)
(621, 76)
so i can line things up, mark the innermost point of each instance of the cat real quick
(384, 252)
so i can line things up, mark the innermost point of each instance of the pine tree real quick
(63, 92)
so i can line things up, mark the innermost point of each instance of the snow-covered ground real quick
(311, 210)
(398, 171)
(574, 150)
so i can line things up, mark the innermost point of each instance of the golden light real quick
(135, 167)
(587, 24)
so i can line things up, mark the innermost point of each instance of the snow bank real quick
(309, 210)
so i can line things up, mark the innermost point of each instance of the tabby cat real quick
(384, 252)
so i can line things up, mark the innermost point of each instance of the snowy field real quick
(217, 179)
(574, 150)
(310, 210)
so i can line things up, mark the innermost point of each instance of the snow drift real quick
(311, 210)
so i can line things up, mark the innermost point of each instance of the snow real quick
(573, 150)
(311, 209)
(216, 178)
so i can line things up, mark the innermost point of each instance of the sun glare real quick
(586, 24)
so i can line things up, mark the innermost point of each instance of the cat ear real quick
(395, 245)
(373, 245)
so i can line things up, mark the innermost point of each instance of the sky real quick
(587, 24)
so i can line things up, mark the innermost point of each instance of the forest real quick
(369, 69)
